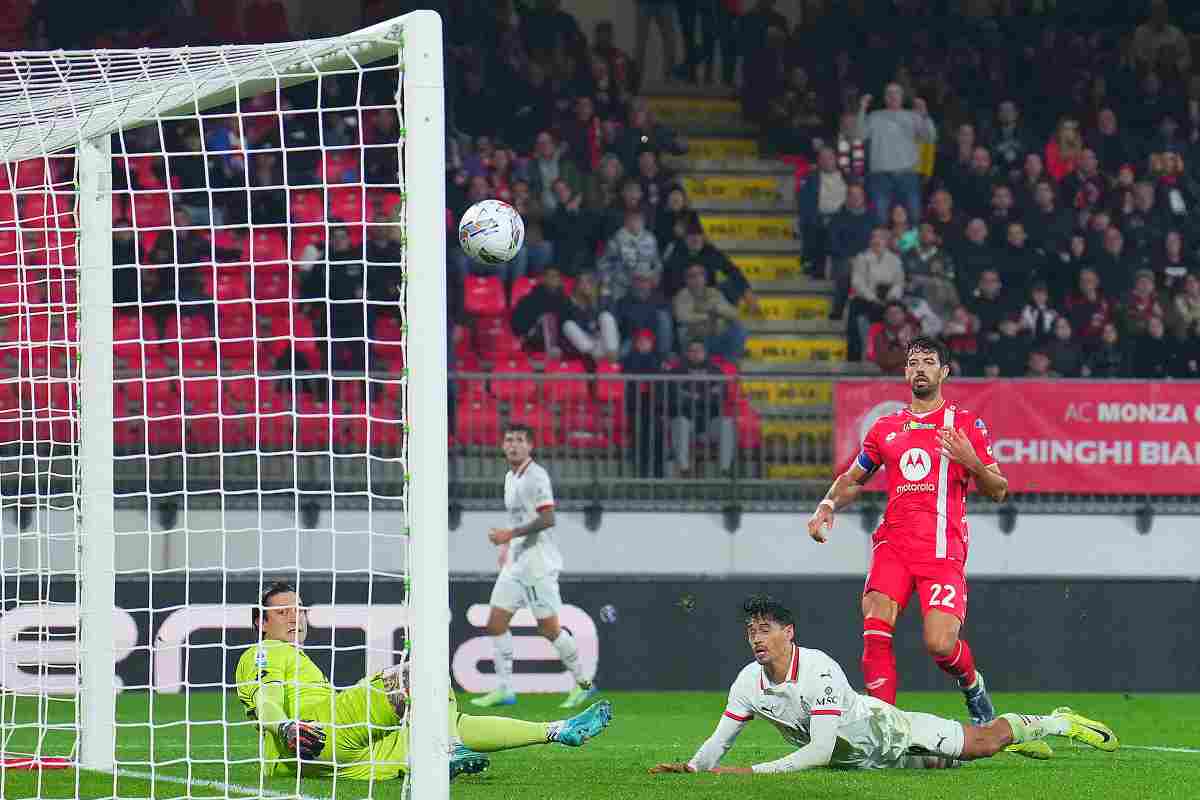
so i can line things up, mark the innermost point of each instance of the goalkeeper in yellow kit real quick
(359, 733)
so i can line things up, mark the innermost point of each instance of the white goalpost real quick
(223, 362)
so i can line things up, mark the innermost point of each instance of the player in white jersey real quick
(806, 696)
(529, 567)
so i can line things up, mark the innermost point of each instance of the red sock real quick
(959, 665)
(879, 660)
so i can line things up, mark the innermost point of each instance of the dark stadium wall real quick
(665, 633)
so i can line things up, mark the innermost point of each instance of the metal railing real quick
(610, 441)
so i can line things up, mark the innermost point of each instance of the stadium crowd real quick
(1026, 191)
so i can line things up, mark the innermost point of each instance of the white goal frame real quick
(57, 122)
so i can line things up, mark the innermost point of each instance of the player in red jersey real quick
(930, 452)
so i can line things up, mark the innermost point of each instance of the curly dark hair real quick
(765, 606)
(927, 344)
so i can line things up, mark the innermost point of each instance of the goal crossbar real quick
(50, 101)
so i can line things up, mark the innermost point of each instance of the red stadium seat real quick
(346, 203)
(312, 424)
(386, 349)
(275, 422)
(483, 296)
(540, 419)
(612, 389)
(235, 331)
(385, 201)
(191, 333)
(226, 283)
(517, 391)
(268, 245)
(495, 338)
(129, 429)
(308, 205)
(349, 427)
(302, 237)
(566, 382)
(583, 428)
(342, 165)
(9, 254)
(151, 210)
(10, 413)
(478, 424)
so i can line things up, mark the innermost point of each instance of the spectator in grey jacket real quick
(631, 249)
(893, 150)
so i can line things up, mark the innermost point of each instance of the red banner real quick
(1058, 436)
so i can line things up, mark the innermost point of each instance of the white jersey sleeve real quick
(537, 493)
(739, 710)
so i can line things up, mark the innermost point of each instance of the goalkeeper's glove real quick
(302, 738)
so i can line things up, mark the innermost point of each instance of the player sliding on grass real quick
(359, 733)
(805, 694)
(930, 452)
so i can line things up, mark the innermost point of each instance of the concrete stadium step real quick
(768, 267)
(677, 109)
(752, 231)
(808, 369)
(821, 326)
(790, 347)
(721, 192)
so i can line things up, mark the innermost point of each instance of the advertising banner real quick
(677, 633)
(1057, 436)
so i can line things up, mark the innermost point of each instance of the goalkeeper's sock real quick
(568, 653)
(1030, 727)
(960, 665)
(503, 645)
(879, 660)
(489, 734)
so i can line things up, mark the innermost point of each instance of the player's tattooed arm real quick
(544, 520)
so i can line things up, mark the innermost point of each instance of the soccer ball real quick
(491, 232)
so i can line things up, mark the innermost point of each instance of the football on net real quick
(491, 232)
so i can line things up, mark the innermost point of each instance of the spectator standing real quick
(705, 314)
(645, 404)
(1173, 265)
(1158, 43)
(877, 276)
(697, 410)
(1037, 317)
(537, 316)
(584, 136)
(974, 256)
(570, 230)
(1010, 140)
(660, 12)
(1062, 151)
(893, 136)
(849, 234)
(642, 133)
(1113, 265)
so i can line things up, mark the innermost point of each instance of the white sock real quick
(503, 660)
(568, 653)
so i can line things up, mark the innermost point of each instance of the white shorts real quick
(540, 596)
(886, 737)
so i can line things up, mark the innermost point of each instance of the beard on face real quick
(924, 391)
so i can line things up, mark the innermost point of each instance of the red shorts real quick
(940, 583)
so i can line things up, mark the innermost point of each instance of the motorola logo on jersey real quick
(915, 464)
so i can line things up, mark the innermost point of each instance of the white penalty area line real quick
(1160, 749)
(250, 791)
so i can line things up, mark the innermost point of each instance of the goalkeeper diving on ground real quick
(360, 732)
(806, 696)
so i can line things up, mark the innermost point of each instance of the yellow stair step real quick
(749, 227)
(778, 472)
(788, 393)
(784, 308)
(734, 188)
(795, 348)
(763, 267)
(671, 109)
(720, 148)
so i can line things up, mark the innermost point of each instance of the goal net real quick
(222, 364)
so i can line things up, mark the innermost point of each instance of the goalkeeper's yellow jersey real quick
(307, 693)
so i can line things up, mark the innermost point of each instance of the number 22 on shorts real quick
(941, 594)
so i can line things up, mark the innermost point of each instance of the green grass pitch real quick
(647, 728)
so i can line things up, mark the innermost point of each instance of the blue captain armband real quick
(865, 463)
